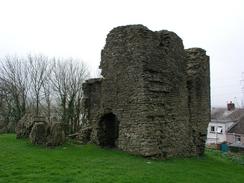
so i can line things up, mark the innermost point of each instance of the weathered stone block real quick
(56, 135)
(3, 128)
(38, 133)
(24, 126)
(84, 135)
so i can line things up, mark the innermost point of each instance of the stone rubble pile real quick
(39, 131)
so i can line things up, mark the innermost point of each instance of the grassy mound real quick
(20, 162)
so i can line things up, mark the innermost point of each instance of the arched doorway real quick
(108, 131)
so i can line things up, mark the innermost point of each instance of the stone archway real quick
(108, 131)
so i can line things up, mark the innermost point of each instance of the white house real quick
(221, 121)
(217, 131)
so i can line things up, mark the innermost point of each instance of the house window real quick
(220, 129)
(237, 139)
(212, 129)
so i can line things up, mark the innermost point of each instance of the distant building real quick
(235, 135)
(222, 120)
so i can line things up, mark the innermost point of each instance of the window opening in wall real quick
(238, 139)
(212, 129)
(220, 129)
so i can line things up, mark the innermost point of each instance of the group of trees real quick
(43, 86)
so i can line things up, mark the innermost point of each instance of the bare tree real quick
(67, 81)
(40, 70)
(14, 85)
(48, 99)
(37, 80)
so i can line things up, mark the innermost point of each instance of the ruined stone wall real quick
(198, 83)
(123, 82)
(150, 90)
(91, 104)
(166, 96)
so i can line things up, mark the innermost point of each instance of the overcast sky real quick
(78, 28)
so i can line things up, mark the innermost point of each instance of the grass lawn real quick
(21, 161)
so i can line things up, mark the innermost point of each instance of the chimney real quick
(230, 106)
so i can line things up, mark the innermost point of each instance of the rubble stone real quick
(38, 133)
(3, 128)
(84, 135)
(56, 135)
(11, 127)
(24, 126)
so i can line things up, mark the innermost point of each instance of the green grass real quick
(21, 161)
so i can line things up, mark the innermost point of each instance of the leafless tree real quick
(47, 89)
(35, 81)
(14, 85)
(40, 70)
(68, 77)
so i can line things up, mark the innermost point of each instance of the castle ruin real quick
(154, 97)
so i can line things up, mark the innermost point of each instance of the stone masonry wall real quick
(91, 104)
(121, 65)
(166, 96)
(149, 93)
(198, 83)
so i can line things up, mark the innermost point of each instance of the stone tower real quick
(154, 97)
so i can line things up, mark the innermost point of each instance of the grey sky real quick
(78, 28)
